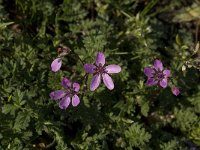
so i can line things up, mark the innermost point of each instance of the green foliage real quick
(136, 136)
(22, 121)
(171, 145)
(184, 119)
(131, 33)
(4, 25)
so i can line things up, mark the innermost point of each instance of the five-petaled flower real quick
(99, 70)
(175, 90)
(157, 75)
(67, 95)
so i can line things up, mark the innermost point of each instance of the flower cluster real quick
(157, 75)
(99, 71)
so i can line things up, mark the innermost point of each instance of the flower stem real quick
(85, 84)
(78, 57)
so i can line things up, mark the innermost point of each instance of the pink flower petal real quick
(158, 65)
(75, 100)
(107, 80)
(56, 64)
(148, 72)
(163, 83)
(64, 103)
(76, 87)
(113, 69)
(100, 59)
(175, 91)
(151, 82)
(167, 73)
(96, 80)
(55, 95)
(89, 68)
(66, 83)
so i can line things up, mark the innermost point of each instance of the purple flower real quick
(99, 70)
(157, 75)
(67, 95)
(56, 64)
(175, 90)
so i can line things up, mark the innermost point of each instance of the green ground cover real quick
(131, 34)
